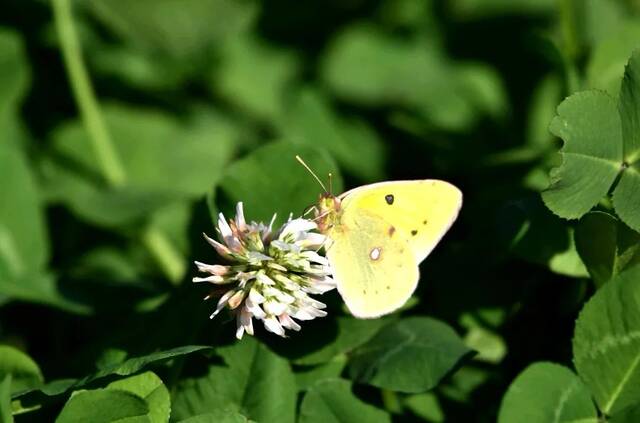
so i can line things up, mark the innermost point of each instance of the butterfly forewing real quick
(420, 211)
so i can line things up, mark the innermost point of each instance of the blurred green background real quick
(125, 125)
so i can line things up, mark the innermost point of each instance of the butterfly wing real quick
(375, 274)
(384, 231)
(420, 211)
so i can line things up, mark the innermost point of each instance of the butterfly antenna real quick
(298, 158)
(330, 183)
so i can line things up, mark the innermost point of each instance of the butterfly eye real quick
(389, 198)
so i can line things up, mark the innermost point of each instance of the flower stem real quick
(156, 242)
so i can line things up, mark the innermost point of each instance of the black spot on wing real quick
(414, 232)
(389, 198)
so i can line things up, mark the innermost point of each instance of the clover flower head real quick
(271, 273)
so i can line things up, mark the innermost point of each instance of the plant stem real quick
(156, 242)
(85, 97)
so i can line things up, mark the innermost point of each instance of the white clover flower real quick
(271, 273)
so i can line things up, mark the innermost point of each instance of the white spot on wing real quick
(375, 253)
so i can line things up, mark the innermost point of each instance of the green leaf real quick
(532, 232)
(626, 197)
(369, 67)
(606, 345)
(311, 122)
(351, 333)
(628, 415)
(181, 30)
(306, 376)
(5, 399)
(124, 368)
(254, 381)
(490, 345)
(547, 392)
(23, 238)
(150, 388)
(463, 384)
(39, 288)
(607, 62)
(331, 401)
(478, 9)
(235, 76)
(606, 246)
(104, 406)
(14, 81)
(425, 406)
(410, 355)
(589, 124)
(601, 143)
(217, 417)
(151, 145)
(270, 180)
(24, 371)
(541, 111)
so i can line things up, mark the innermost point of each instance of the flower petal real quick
(287, 322)
(220, 248)
(240, 222)
(272, 325)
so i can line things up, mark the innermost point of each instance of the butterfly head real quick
(327, 212)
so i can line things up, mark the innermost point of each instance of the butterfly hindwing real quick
(375, 273)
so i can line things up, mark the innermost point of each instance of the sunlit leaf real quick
(410, 355)
(105, 406)
(124, 368)
(24, 372)
(150, 388)
(606, 345)
(546, 392)
(425, 406)
(601, 144)
(589, 124)
(332, 401)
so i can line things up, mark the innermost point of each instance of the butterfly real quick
(378, 234)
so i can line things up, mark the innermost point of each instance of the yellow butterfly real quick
(377, 236)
